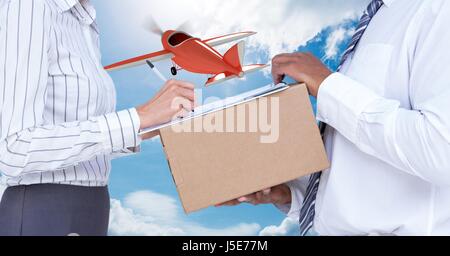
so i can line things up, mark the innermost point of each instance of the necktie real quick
(307, 211)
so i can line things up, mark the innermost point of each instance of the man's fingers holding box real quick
(280, 194)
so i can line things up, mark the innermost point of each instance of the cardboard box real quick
(212, 167)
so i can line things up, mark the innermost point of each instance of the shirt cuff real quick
(340, 103)
(121, 130)
(297, 188)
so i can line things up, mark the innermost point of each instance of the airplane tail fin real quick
(235, 55)
(222, 77)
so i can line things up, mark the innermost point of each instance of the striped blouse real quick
(57, 119)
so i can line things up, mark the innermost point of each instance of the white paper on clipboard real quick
(223, 104)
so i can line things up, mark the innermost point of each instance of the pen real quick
(152, 67)
(156, 71)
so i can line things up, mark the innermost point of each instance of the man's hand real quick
(280, 194)
(302, 67)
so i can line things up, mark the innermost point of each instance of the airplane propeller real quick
(186, 27)
(152, 26)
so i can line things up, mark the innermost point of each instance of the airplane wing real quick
(216, 41)
(140, 60)
(162, 55)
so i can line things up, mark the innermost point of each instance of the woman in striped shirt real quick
(58, 125)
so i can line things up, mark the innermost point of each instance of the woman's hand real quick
(280, 194)
(175, 99)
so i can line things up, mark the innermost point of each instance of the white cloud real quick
(288, 227)
(145, 213)
(334, 40)
(149, 213)
(282, 25)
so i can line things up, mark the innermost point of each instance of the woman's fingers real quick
(184, 97)
(180, 103)
(175, 99)
(166, 86)
(186, 93)
(173, 84)
(186, 85)
(182, 113)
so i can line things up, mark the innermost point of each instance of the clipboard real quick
(223, 104)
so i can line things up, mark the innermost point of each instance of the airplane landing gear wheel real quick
(174, 71)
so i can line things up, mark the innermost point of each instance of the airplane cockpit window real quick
(178, 38)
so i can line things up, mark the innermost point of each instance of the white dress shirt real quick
(389, 145)
(57, 119)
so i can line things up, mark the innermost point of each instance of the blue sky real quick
(144, 197)
(139, 181)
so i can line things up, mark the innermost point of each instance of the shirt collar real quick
(82, 9)
(65, 5)
(388, 3)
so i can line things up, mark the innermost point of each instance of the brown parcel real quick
(211, 168)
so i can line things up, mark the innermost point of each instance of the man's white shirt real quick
(389, 145)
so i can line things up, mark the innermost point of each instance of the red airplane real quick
(198, 56)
